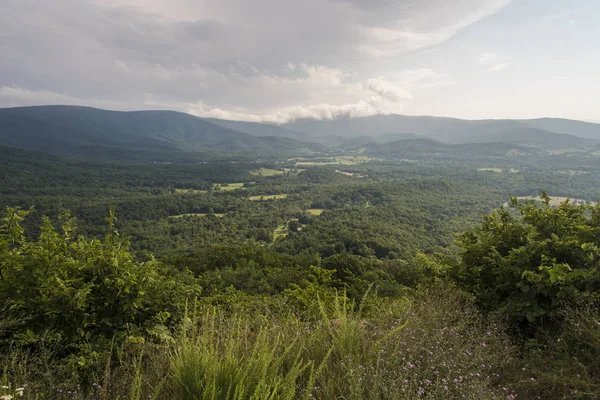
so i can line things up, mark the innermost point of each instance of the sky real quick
(281, 60)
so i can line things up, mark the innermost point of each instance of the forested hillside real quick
(329, 275)
(149, 135)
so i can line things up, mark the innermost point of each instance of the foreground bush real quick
(525, 262)
(73, 296)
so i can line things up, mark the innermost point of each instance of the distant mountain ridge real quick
(548, 133)
(90, 132)
(73, 130)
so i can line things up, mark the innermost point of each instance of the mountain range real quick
(84, 131)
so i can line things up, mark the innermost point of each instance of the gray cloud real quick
(262, 59)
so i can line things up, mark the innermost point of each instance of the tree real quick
(525, 260)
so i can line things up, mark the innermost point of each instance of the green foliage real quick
(80, 293)
(525, 263)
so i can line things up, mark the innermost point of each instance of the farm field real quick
(497, 170)
(315, 211)
(266, 172)
(227, 187)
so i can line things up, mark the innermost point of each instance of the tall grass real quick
(435, 345)
(439, 349)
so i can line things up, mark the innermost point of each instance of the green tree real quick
(525, 260)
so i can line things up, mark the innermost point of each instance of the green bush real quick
(524, 261)
(80, 294)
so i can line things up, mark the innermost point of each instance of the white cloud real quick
(256, 60)
(498, 67)
(387, 90)
(488, 58)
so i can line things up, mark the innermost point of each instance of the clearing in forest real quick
(315, 211)
(266, 172)
(227, 187)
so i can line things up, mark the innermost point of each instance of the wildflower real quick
(483, 345)
(532, 379)
(409, 364)
(6, 397)
(421, 391)
(445, 387)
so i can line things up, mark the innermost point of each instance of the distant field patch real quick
(268, 197)
(266, 172)
(497, 170)
(194, 215)
(227, 187)
(315, 211)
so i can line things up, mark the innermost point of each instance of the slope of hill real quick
(447, 130)
(261, 129)
(68, 130)
(567, 126)
(418, 148)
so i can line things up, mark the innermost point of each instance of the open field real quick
(497, 170)
(194, 215)
(266, 172)
(226, 187)
(315, 211)
(267, 197)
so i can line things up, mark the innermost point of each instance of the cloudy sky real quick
(279, 60)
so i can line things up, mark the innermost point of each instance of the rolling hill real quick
(84, 131)
(155, 135)
(540, 133)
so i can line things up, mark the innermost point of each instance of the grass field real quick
(497, 170)
(195, 215)
(266, 172)
(267, 197)
(315, 211)
(227, 187)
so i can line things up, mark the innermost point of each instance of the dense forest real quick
(383, 273)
